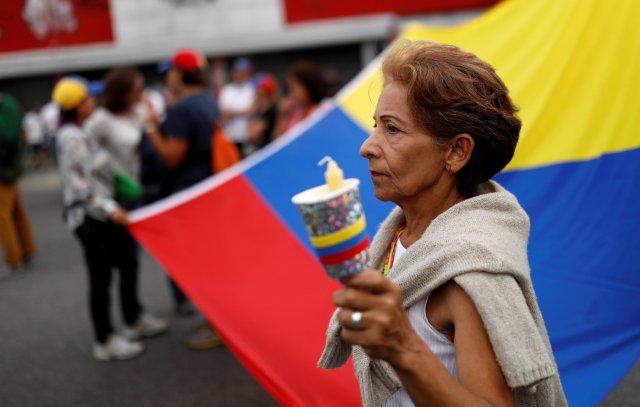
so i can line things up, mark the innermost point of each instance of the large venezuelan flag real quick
(237, 246)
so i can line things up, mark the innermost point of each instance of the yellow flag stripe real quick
(571, 67)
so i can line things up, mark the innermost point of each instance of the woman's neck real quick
(420, 212)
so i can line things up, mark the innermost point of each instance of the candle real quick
(333, 216)
(333, 175)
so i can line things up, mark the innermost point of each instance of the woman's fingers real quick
(351, 319)
(372, 314)
(368, 290)
(369, 280)
(354, 299)
(364, 329)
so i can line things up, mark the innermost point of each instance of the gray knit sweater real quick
(480, 243)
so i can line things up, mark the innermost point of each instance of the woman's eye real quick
(375, 125)
(391, 129)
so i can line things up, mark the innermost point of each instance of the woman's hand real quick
(119, 217)
(385, 333)
(151, 120)
(384, 330)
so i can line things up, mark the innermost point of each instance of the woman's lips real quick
(375, 174)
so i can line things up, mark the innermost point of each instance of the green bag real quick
(126, 189)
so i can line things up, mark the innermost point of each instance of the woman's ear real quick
(460, 149)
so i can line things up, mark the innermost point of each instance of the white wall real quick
(146, 22)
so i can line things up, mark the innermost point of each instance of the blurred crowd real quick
(119, 145)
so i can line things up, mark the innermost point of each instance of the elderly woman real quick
(448, 316)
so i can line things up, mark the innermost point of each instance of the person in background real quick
(50, 116)
(117, 127)
(152, 178)
(117, 123)
(264, 112)
(332, 79)
(98, 222)
(183, 140)
(35, 138)
(306, 89)
(15, 229)
(235, 102)
(152, 170)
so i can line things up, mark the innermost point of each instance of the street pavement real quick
(45, 335)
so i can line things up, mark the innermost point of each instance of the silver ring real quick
(356, 318)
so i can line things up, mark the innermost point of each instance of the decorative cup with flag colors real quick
(336, 226)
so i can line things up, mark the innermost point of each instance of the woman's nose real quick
(369, 149)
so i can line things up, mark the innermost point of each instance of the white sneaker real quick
(117, 348)
(5, 272)
(147, 326)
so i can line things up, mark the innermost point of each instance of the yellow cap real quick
(69, 93)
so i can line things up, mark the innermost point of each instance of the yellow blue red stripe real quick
(340, 247)
(340, 236)
(345, 255)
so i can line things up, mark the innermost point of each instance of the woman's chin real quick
(381, 195)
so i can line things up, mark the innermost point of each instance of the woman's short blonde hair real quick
(451, 92)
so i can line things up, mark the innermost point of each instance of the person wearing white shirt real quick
(35, 137)
(236, 99)
(117, 125)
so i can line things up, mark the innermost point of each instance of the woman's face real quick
(85, 108)
(405, 162)
(297, 92)
(137, 89)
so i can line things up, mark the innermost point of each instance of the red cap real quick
(188, 60)
(268, 84)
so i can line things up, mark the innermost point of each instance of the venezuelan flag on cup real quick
(237, 246)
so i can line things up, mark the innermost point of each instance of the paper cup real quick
(336, 226)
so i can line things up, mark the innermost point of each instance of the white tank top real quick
(439, 344)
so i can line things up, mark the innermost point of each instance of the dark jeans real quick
(179, 297)
(105, 246)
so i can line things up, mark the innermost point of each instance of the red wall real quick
(304, 10)
(93, 25)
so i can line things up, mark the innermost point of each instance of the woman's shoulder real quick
(451, 310)
(69, 131)
(71, 137)
(99, 120)
(101, 114)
